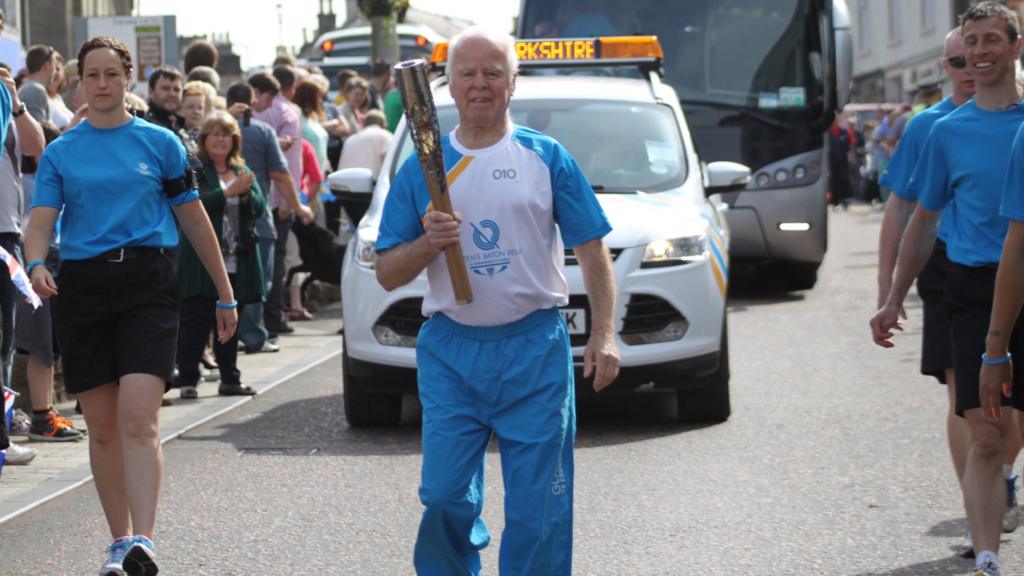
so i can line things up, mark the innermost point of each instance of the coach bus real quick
(760, 81)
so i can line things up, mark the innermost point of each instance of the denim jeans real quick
(251, 331)
(273, 313)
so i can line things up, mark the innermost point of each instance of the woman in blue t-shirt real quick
(121, 182)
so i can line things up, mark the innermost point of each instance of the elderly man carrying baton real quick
(501, 365)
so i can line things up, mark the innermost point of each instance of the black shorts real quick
(971, 291)
(116, 318)
(33, 327)
(936, 344)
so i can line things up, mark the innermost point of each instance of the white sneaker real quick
(115, 555)
(19, 455)
(967, 546)
(988, 569)
(1011, 515)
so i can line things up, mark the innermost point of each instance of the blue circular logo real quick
(488, 240)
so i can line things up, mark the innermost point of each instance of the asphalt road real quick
(834, 462)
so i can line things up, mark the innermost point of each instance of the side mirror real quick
(354, 189)
(726, 177)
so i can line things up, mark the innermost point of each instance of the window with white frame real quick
(895, 21)
(927, 15)
(863, 26)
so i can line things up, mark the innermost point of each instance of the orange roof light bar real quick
(606, 49)
(615, 47)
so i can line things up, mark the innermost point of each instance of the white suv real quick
(669, 245)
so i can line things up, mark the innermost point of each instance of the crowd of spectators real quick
(861, 143)
(262, 150)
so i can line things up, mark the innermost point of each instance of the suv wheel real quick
(363, 409)
(709, 403)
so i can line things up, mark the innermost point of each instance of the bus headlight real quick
(674, 252)
(366, 253)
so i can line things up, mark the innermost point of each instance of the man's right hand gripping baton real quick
(421, 117)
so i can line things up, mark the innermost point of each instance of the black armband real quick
(188, 181)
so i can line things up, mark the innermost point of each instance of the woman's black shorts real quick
(971, 293)
(117, 318)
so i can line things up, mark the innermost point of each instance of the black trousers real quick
(198, 317)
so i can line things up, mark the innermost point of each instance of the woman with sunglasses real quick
(121, 183)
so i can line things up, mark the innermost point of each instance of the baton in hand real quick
(421, 117)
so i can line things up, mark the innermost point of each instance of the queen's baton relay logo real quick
(492, 258)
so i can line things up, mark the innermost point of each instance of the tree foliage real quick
(384, 8)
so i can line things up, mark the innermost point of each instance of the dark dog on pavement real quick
(321, 254)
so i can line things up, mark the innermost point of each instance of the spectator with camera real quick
(232, 198)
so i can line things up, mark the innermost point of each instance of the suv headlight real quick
(675, 251)
(366, 253)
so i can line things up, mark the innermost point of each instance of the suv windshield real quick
(761, 54)
(645, 153)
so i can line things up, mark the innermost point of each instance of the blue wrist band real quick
(32, 265)
(996, 361)
(229, 306)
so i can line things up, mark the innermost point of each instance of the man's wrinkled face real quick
(481, 83)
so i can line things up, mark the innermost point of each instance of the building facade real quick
(52, 22)
(898, 45)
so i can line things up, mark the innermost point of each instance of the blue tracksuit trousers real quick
(514, 381)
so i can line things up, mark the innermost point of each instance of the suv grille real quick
(404, 317)
(646, 313)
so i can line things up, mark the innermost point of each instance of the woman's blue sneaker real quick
(141, 558)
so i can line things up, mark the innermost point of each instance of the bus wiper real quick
(745, 111)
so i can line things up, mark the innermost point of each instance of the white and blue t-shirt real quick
(904, 159)
(110, 183)
(522, 201)
(964, 166)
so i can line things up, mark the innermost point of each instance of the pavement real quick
(60, 467)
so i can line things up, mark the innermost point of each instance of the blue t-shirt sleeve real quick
(49, 192)
(577, 212)
(931, 178)
(1012, 206)
(174, 168)
(901, 167)
(400, 223)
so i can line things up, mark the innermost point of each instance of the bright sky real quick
(253, 26)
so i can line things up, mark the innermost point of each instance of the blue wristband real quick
(996, 361)
(32, 266)
(229, 306)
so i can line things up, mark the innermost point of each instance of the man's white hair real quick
(504, 42)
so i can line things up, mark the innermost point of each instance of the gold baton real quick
(421, 117)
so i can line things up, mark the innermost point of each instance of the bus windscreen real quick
(757, 54)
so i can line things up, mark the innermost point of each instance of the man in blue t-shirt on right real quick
(963, 167)
(936, 345)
